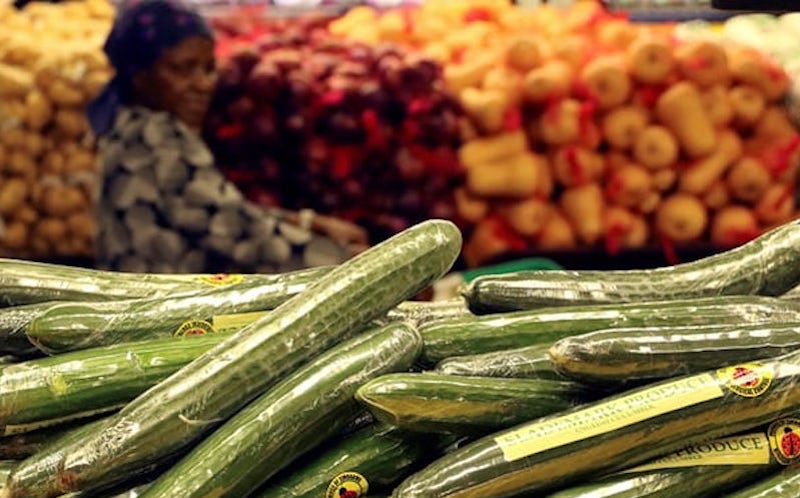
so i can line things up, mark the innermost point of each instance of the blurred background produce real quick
(540, 130)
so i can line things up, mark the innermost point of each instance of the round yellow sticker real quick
(222, 279)
(748, 380)
(784, 440)
(195, 327)
(348, 485)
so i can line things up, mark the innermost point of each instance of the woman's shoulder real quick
(154, 132)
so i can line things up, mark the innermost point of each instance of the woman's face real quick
(182, 81)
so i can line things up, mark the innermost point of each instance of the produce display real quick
(51, 65)
(584, 129)
(692, 397)
(303, 119)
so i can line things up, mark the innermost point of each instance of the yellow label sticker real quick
(749, 379)
(747, 449)
(784, 440)
(608, 416)
(347, 485)
(236, 321)
(222, 279)
(195, 327)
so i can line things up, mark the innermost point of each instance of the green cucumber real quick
(424, 312)
(194, 400)
(614, 433)
(468, 336)
(785, 484)
(301, 412)
(14, 323)
(431, 402)
(24, 444)
(73, 384)
(531, 362)
(642, 354)
(6, 466)
(72, 326)
(704, 470)
(768, 266)
(382, 454)
(26, 282)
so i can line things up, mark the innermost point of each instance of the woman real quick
(162, 206)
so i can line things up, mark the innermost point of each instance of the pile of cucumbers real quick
(682, 381)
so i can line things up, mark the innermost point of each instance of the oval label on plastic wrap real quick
(348, 485)
(222, 279)
(784, 440)
(749, 379)
(194, 327)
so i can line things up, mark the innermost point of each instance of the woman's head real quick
(163, 54)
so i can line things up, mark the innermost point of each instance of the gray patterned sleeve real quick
(164, 207)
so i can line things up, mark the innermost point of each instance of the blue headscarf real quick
(143, 30)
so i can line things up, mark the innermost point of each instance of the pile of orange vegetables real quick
(585, 129)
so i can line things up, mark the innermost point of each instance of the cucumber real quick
(72, 326)
(484, 334)
(423, 312)
(430, 402)
(74, 384)
(617, 432)
(382, 454)
(768, 266)
(6, 466)
(702, 470)
(307, 408)
(785, 484)
(26, 282)
(14, 322)
(24, 444)
(531, 362)
(640, 354)
(190, 403)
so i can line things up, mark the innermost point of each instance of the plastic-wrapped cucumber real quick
(301, 412)
(194, 400)
(24, 444)
(383, 455)
(701, 470)
(785, 484)
(430, 402)
(25, 282)
(768, 265)
(423, 312)
(14, 323)
(632, 355)
(468, 336)
(531, 362)
(614, 433)
(72, 326)
(74, 384)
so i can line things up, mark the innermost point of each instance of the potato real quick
(26, 214)
(53, 230)
(681, 218)
(13, 192)
(65, 94)
(71, 123)
(79, 160)
(15, 235)
(21, 164)
(39, 110)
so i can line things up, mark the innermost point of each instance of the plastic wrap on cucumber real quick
(307, 408)
(784, 484)
(78, 383)
(381, 455)
(768, 265)
(25, 282)
(530, 362)
(614, 433)
(702, 470)
(484, 334)
(636, 355)
(72, 325)
(192, 402)
(431, 402)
